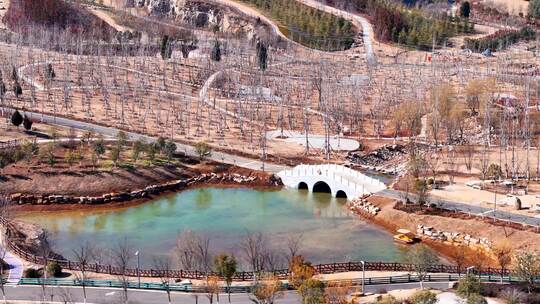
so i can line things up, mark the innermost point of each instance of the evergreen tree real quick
(465, 9)
(16, 118)
(17, 89)
(262, 55)
(50, 72)
(412, 37)
(534, 9)
(27, 123)
(216, 51)
(2, 89)
(166, 50)
(14, 74)
(402, 37)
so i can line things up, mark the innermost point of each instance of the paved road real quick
(488, 212)
(112, 295)
(189, 150)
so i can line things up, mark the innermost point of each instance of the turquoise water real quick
(330, 232)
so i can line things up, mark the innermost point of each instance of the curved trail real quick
(358, 21)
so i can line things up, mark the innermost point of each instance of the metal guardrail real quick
(130, 285)
(402, 279)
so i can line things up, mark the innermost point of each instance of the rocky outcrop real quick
(176, 185)
(200, 14)
(389, 159)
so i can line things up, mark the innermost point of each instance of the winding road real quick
(113, 295)
(187, 149)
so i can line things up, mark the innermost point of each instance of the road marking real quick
(108, 294)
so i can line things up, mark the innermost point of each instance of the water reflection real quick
(330, 232)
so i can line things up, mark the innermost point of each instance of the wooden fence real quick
(239, 276)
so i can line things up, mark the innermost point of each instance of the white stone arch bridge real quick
(339, 180)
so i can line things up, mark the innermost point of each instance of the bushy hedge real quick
(31, 273)
(500, 40)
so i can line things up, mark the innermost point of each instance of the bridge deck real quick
(339, 178)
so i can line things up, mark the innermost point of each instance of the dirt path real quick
(252, 12)
(358, 21)
(103, 15)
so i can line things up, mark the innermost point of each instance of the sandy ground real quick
(462, 193)
(394, 219)
(513, 7)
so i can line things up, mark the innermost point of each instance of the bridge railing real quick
(330, 170)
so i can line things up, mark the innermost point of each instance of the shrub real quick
(16, 118)
(476, 299)
(468, 286)
(27, 123)
(54, 269)
(31, 273)
(532, 298)
(513, 296)
(388, 300)
(423, 297)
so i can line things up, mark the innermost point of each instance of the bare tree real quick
(503, 252)
(193, 251)
(84, 255)
(294, 245)
(163, 267)
(45, 252)
(338, 292)
(468, 153)
(3, 252)
(422, 259)
(211, 288)
(121, 257)
(266, 290)
(254, 248)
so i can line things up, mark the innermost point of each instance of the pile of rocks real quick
(454, 238)
(361, 205)
(41, 199)
(385, 159)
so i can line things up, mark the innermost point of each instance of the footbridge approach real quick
(336, 179)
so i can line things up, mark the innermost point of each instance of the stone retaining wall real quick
(363, 206)
(211, 178)
(453, 238)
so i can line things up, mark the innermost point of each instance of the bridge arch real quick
(321, 186)
(341, 193)
(338, 180)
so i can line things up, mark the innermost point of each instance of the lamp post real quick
(138, 267)
(469, 269)
(363, 276)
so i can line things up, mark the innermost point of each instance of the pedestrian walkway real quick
(15, 267)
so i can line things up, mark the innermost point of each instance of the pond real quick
(330, 233)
